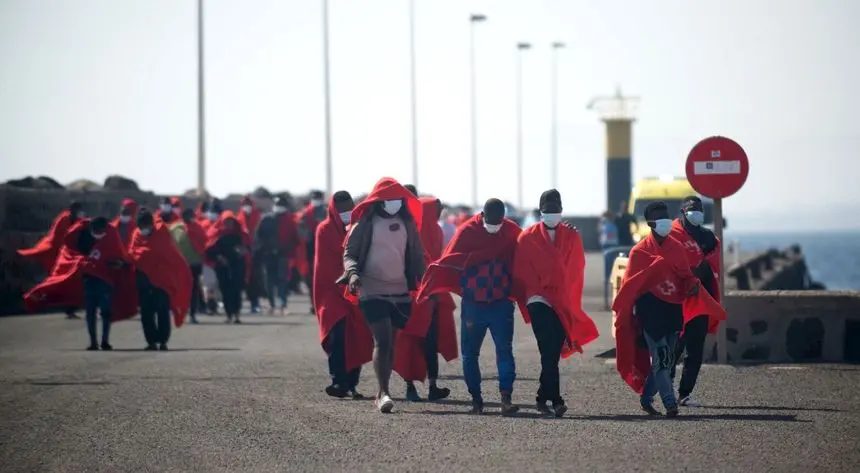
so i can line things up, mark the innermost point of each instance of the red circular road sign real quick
(717, 167)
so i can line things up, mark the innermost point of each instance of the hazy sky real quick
(90, 88)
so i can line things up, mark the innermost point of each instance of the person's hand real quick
(570, 225)
(354, 284)
(694, 289)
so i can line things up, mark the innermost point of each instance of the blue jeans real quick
(662, 364)
(475, 319)
(97, 297)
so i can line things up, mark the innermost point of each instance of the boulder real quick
(119, 183)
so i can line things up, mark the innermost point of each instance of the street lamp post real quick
(201, 106)
(473, 20)
(520, 48)
(554, 103)
(326, 84)
(413, 93)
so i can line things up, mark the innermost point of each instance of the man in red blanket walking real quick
(549, 275)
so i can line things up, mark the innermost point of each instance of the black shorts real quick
(375, 310)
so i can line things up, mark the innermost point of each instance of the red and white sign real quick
(717, 167)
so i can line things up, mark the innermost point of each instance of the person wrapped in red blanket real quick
(383, 256)
(307, 221)
(477, 265)
(46, 251)
(549, 276)
(658, 296)
(163, 280)
(249, 217)
(274, 247)
(344, 334)
(94, 271)
(126, 222)
(703, 255)
(441, 335)
(190, 239)
(228, 248)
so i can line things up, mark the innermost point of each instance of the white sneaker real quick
(689, 401)
(385, 404)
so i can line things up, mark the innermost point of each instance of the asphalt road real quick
(249, 398)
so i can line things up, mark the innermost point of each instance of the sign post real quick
(717, 167)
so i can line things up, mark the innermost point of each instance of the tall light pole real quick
(413, 93)
(474, 19)
(201, 106)
(520, 48)
(554, 103)
(328, 165)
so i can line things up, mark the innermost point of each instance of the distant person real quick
(344, 334)
(47, 250)
(531, 218)
(703, 256)
(126, 223)
(228, 246)
(655, 289)
(190, 239)
(477, 265)
(549, 277)
(308, 219)
(164, 282)
(623, 221)
(274, 247)
(446, 222)
(607, 230)
(249, 217)
(411, 188)
(166, 214)
(383, 262)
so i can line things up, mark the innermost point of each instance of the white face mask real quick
(212, 216)
(316, 202)
(246, 209)
(392, 206)
(98, 236)
(145, 231)
(346, 217)
(550, 220)
(81, 214)
(663, 226)
(125, 218)
(279, 210)
(166, 208)
(695, 217)
(492, 228)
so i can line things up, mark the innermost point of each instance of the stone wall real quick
(791, 326)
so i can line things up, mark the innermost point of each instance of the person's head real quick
(622, 208)
(692, 210)
(657, 216)
(231, 224)
(279, 206)
(550, 208)
(343, 205)
(126, 212)
(247, 204)
(76, 210)
(188, 215)
(204, 207)
(98, 227)
(166, 205)
(493, 215)
(608, 215)
(411, 188)
(316, 198)
(145, 222)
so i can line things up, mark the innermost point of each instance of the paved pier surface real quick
(249, 398)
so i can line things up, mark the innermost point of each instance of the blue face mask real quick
(695, 217)
(662, 226)
(550, 220)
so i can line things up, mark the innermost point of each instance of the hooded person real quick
(441, 334)
(274, 247)
(94, 271)
(228, 248)
(548, 280)
(703, 255)
(126, 222)
(205, 217)
(308, 219)
(211, 292)
(658, 296)
(190, 239)
(163, 280)
(46, 251)
(477, 265)
(383, 262)
(249, 217)
(165, 212)
(344, 334)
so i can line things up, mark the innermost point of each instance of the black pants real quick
(254, 288)
(231, 281)
(550, 336)
(309, 280)
(277, 278)
(154, 311)
(196, 291)
(98, 297)
(431, 344)
(693, 341)
(347, 380)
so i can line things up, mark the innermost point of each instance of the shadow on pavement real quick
(69, 383)
(173, 349)
(771, 408)
(629, 417)
(454, 377)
